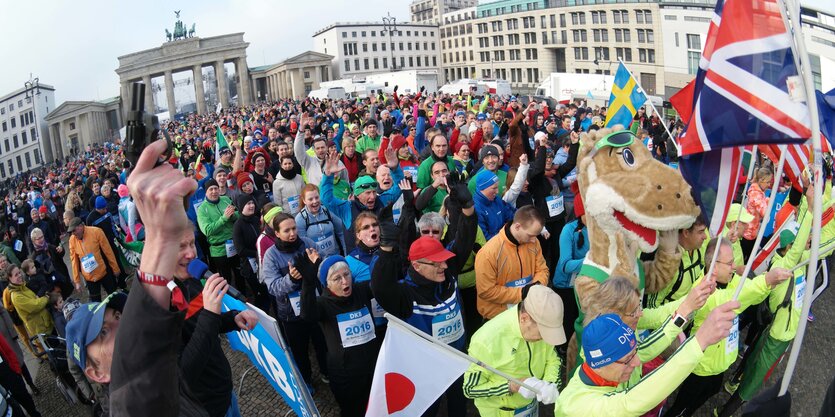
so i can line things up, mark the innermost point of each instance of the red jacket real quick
(9, 355)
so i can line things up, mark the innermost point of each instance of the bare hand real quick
(718, 324)
(697, 297)
(523, 160)
(312, 255)
(294, 273)
(246, 320)
(213, 293)
(228, 211)
(332, 163)
(405, 184)
(391, 158)
(776, 276)
(59, 249)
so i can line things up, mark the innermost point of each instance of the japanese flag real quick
(411, 374)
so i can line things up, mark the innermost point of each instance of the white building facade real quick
(431, 11)
(24, 138)
(361, 49)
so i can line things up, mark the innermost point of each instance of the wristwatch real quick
(679, 321)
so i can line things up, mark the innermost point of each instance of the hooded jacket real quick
(217, 228)
(31, 309)
(492, 215)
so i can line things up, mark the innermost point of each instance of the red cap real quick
(429, 248)
(42, 209)
(397, 142)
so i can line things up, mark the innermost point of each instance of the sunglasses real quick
(430, 232)
(619, 139)
(367, 186)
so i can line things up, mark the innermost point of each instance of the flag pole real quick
(660, 116)
(765, 220)
(456, 352)
(806, 262)
(804, 70)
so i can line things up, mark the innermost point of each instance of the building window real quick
(581, 54)
(28, 160)
(601, 54)
(353, 34)
(363, 34)
(37, 156)
(24, 138)
(14, 123)
(376, 63)
(5, 127)
(385, 62)
(402, 62)
(19, 164)
(33, 135)
(411, 61)
(347, 65)
(7, 146)
(624, 54)
(401, 46)
(11, 167)
(365, 47)
(650, 36)
(2, 170)
(356, 65)
(435, 59)
(344, 34)
(694, 47)
(365, 63)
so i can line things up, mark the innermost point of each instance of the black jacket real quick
(203, 364)
(144, 375)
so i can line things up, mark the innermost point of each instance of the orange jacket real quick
(94, 242)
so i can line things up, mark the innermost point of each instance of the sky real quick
(74, 45)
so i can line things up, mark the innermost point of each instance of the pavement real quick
(256, 397)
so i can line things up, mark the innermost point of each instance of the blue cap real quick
(512, 98)
(86, 323)
(101, 203)
(326, 265)
(481, 116)
(607, 339)
(460, 113)
(485, 179)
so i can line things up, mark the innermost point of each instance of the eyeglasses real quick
(430, 232)
(619, 139)
(729, 263)
(627, 360)
(367, 186)
(433, 264)
(345, 276)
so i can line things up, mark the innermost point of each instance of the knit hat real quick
(42, 209)
(607, 339)
(209, 183)
(539, 136)
(244, 177)
(364, 183)
(579, 208)
(326, 265)
(122, 190)
(489, 150)
(101, 203)
(268, 218)
(485, 179)
(242, 199)
(397, 142)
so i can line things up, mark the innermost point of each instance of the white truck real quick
(407, 82)
(466, 85)
(333, 93)
(563, 86)
(496, 87)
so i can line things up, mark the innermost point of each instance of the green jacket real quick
(499, 343)
(424, 178)
(690, 270)
(499, 173)
(367, 142)
(9, 252)
(720, 356)
(217, 228)
(582, 397)
(32, 309)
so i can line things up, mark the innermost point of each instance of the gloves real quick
(548, 393)
(422, 88)
(533, 382)
(458, 191)
(389, 232)
(395, 88)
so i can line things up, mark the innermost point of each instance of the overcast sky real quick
(74, 45)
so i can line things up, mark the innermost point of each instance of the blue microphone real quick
(199, 270)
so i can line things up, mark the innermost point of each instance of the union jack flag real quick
(747, 87)
(797, 158)
(713, 177)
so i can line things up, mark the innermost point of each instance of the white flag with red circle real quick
(411, 374)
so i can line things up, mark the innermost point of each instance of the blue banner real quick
(267, 355)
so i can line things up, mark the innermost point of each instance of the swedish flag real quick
(626, 98)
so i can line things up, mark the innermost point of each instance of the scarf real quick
(288, 247)
(287, 174)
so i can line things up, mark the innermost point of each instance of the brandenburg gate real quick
(185, 52)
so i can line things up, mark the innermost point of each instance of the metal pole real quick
(661, 121)
(805, 71)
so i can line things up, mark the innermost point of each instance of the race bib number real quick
(18, 245)
(519, 283)
(253, 263)
(197, 204)
(20, 220)
(799, 291)
(293, 202)
(411, 171)
(355, 328)
(89, 264)
(732, 344)
(448, 327)
(52, 209)
(378, 313)
(295, 298)
(325, 243)
(231, 250)
(530, 410)
(556, 205)
(395, 215)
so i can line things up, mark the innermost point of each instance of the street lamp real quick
(390, 25)
(34, 86)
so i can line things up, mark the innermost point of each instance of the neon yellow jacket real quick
(583, 398)
(499, 343)
(690, 270)
(720, 356)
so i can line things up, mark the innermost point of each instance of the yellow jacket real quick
(31, 309)
(94, 242)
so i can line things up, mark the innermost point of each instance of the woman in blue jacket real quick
(574, 244)
(492, 211)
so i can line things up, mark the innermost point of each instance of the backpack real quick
(307, 225)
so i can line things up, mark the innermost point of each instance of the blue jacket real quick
(276, 275)
(492, 215)
(361, 262)
(325, 230)
(571, 256)
(345, 209)
(392, 194)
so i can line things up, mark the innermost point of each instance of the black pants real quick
(472, 320)
(107, 282)
(693, 393)
(228, 268)
(14, 384)
(298, 335)
(551, 246)
(259, 290)
(351, 393)
(570, 310)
